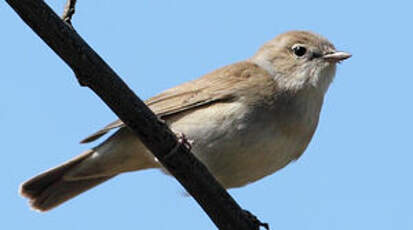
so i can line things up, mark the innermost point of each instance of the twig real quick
(93, 72)
(69, 11)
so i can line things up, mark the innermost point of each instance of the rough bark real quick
(93, 72)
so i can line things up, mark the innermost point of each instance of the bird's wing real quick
(221, 85)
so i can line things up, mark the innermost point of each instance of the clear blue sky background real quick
(356, 173)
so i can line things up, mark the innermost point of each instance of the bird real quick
(244, 121)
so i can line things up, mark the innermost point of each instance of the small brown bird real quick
(245, 121)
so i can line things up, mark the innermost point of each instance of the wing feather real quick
(221, 85)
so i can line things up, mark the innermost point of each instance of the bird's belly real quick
(244, 161)
(239, 147)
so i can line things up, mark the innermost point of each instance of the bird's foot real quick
(182, 140)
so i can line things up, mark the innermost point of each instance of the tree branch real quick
(69, 11)
(93, 72)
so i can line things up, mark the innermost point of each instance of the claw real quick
(184, 140)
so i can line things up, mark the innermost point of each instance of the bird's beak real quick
(336, 56)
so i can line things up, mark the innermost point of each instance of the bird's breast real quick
(240, 144)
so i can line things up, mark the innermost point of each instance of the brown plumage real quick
(246, 120)
(50, 188)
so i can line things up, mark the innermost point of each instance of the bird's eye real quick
(299, 50)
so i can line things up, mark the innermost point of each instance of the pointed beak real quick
(337, 56)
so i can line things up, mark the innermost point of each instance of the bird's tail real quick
(50, 188)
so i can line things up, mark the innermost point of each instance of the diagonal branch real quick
(93, 72)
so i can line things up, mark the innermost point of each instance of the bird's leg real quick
(182, 140)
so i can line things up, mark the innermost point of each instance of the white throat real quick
(319, 78)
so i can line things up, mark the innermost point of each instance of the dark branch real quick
(69, 11)
(93, 72)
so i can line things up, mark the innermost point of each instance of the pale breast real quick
(240, 144)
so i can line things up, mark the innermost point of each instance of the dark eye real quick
(299, 50)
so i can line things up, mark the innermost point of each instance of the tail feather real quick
(50, 189)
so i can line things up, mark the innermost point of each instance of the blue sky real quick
(356, 173)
